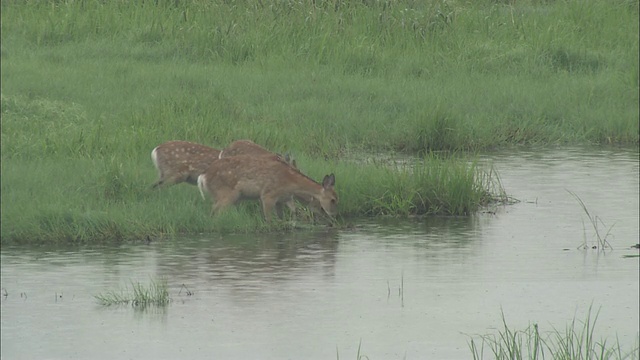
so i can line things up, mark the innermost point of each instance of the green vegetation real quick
(577, 341)
(89, 88)
(602, 242)
(139, 296)
(90, 200)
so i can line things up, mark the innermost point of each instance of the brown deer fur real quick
(268, 178)
(181, 161)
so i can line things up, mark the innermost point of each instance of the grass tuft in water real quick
(358, 355)
(155, 293)
(577, 341)
(595, 220)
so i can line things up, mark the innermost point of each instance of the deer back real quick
(243, 147)
(248, 147)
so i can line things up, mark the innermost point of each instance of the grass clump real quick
(141, 296)
(576, 341)
(430, 185)
(601, 239)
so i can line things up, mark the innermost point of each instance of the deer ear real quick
(328, 181)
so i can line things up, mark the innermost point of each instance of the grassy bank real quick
(93, 200)
(89, 88)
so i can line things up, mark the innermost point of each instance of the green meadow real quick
(89, 88)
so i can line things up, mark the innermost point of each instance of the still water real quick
(412, 289)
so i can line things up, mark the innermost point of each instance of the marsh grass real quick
(155, 293)
(576, 341)
(430, 185)
(595, 221)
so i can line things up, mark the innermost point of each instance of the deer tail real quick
(202, 184)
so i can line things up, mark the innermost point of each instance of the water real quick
(411, 289)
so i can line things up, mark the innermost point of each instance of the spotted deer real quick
(181, 161)
(267, 178)
(248, 147)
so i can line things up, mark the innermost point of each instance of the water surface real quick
(411, 289)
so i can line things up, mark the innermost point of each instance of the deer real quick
(248, 147)
(181, 161)
(268, 178)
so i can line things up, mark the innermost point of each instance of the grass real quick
(84, 201)
(595, 221)
(576, 341)
(89, 88)
(141, 296)
(404, 76)
(358, 356)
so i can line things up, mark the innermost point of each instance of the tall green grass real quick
(89, 88)
(403, 75)
(140, 296)
(577, 341)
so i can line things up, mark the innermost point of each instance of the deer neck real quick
(306, 188)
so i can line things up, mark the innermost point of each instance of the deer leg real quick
(157, 184)
(291, 204)
(268, 205)
(170, 180)
(224, 201)
(160, 180)
(176, 179)
(280, 210)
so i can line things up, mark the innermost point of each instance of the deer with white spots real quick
(266, 177)
(181, 161)
(248, 147)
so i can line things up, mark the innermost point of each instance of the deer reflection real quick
(248, 263)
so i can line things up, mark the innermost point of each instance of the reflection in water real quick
(247, 265)
(405, 288)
